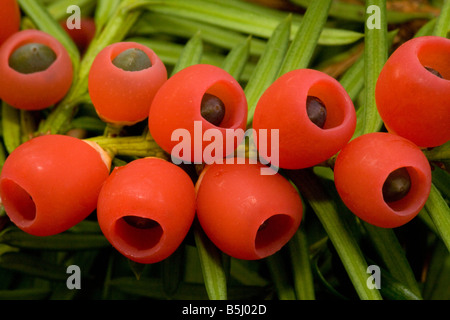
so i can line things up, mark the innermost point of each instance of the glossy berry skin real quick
(51, 183)
(38, 90)
(124, 97)
(149, 188)
(282, 107)
(9, 19)
(246, 214)
(177, 107)
(361, 169)
(413, 102)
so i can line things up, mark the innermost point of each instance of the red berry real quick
(177, 108)
(51, 183)
(412, 101)
(146, 208)
(9, 19)
(313, 113)
(120, 96)
(246, 214)
(383, 178)
(83, 36)
(31, 89)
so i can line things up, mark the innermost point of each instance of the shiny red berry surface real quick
(9, 19)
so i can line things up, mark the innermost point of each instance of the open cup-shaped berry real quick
(36, 70)
(195, 110)
(383, 178)
(50, 183)
(250, 220)
(123, 80)
(313, 114)
(146, 208)
(413, 91)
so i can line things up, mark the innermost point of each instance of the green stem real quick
(212, 265)
(443, 21)
(103, 12)
(355, 12)
(268, 66)
(340, 235)
(236, 59)
(375, 56)
(280, 279)
(136, 146)
(301, 266)
(191, 54)
(440, 153)
(393, 255)
(241, 17)
(439, 211)
(152, 23)
(353, 79)
(307, 36)
(11, 127)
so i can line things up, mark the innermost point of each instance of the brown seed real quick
(435, 72)
(317, 112)
(140, 223)
(397, 185)
(212, 109)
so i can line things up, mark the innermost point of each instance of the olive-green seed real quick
(397, 185)
(212, 109)
(435, 72)
(132, 60)
(140, 223)
(316, 110)
(31, 58)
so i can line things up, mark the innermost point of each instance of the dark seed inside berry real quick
(397, 185)
(316, 110)
(212, 109)
(132, 60)
(140, 223)
(31, 58)
(435, 72)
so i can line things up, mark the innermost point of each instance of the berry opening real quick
(412, 192)
(212, 109)
(31, 58)
(132, 60)
(19, 203)
(434, 58)
(435, 72)
(138, 232)
(331, 99)
(272, 234)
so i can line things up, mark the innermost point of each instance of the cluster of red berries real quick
(146, 207)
